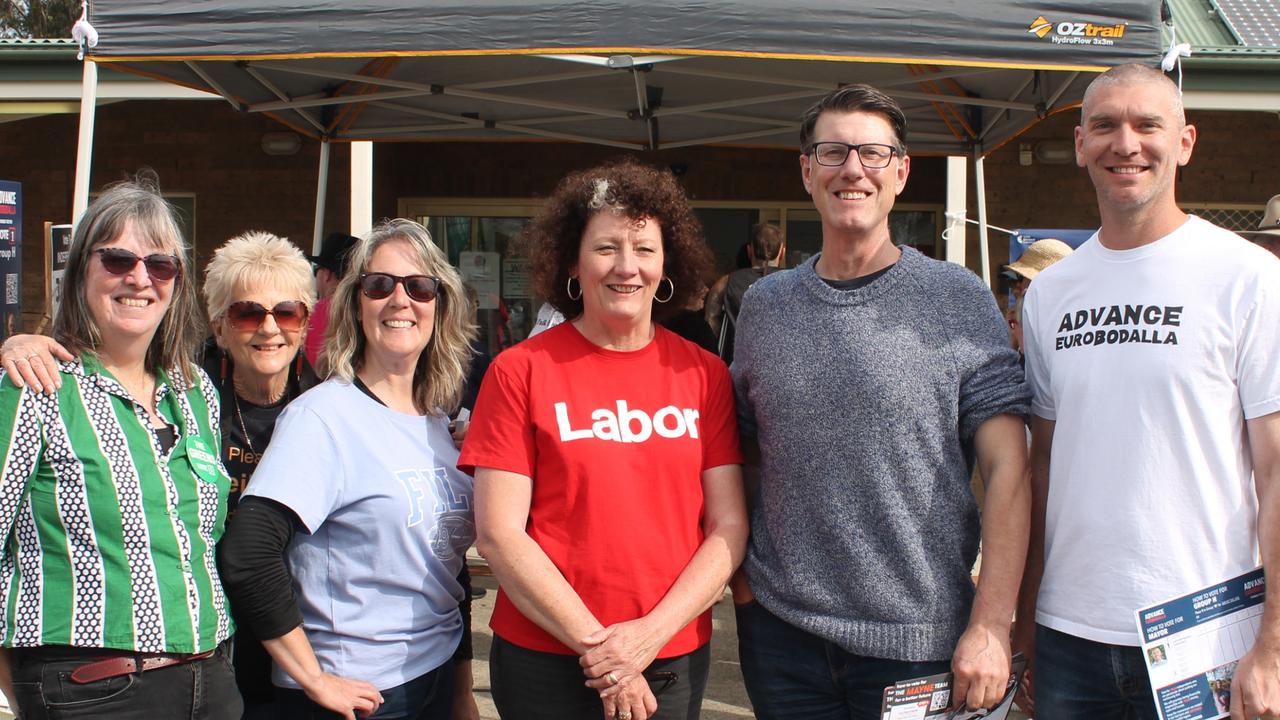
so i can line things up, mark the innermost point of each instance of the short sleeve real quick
(302, 468)
(719, 424)
(1258, 349)
(501, 432)
(1037, 370)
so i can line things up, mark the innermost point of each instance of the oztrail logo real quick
(1076, 33)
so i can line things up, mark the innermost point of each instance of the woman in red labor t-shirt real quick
(609, 496)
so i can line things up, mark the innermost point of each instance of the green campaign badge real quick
(203, 461)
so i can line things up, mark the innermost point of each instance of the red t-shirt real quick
(615, 443)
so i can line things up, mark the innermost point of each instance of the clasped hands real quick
(614, 665)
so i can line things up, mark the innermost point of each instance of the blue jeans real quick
(1078, 679)
(790, 673)
(426, 697)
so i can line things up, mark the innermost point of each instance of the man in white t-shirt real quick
(1153, 353)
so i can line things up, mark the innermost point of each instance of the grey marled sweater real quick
(865, 404)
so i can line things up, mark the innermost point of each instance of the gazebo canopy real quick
(971, 75)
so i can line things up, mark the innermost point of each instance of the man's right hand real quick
(33, 360)
(1024, 641)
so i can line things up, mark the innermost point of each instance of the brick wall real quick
(204, 147)
(1232, 163)
(208, 149)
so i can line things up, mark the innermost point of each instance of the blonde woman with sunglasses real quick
(345, 550)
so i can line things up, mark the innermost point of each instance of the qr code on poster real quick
(11, 288)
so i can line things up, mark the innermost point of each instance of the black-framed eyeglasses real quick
(378, 285)
(661, 680)
(873, 156)
(247, 315)
(160, 267)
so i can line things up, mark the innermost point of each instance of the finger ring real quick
(624, 715)
(612, 678)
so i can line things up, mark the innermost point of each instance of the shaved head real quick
(1134, 74)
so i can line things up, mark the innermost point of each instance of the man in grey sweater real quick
(869, 379)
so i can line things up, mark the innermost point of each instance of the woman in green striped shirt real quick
(111, 493)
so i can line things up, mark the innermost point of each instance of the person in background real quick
(690, 322)
(112, 496)
(766, 250)
(1268, 233)
(1038, 256)
(331, 265)
(359, 492)
(608, 491)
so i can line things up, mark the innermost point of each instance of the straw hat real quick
(1270, 224)
(1036, 258)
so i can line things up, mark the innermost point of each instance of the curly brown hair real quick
(636, 190)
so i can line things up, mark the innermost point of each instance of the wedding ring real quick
(613, 680)
(624, 715)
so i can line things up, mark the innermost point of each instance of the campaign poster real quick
(59, 251)
(10, 256)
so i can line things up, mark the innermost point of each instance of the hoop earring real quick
(568, 288)
(670, 295)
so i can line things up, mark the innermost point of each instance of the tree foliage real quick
(38, 18)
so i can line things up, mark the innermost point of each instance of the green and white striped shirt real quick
(108, 539)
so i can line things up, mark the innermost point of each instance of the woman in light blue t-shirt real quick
(359, 489)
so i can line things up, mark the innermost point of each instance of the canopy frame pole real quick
(322, 192)
(956, 209)
(274, 90)
(980, 182)
(361, 187)
(84, 145)
(199, 71)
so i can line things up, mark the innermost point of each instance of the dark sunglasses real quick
(160, 268)
(378, 285)
(660, 680)
(247, 315)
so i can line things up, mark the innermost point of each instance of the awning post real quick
(984, 250)
(322, 189)
(956, 209)
(84, 146)
(361, 187)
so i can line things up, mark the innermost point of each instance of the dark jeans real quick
(426, 697)
(1077, 679)
(200, 690)
(532, 685)
(792, 674)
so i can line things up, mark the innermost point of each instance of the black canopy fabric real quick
(970, 74)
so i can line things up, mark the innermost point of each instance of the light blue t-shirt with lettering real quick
(388, 519)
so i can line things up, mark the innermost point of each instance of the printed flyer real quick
(929, 697)
(1192, 644)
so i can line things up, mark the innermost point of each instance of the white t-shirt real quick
(1149, 361)
(389, 519)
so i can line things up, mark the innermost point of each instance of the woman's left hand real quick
(619, 652)
(632, 700)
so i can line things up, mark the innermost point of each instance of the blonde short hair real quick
(442, 368)
(252, 260)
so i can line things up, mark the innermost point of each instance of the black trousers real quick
(200, 690)
(532, 685)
